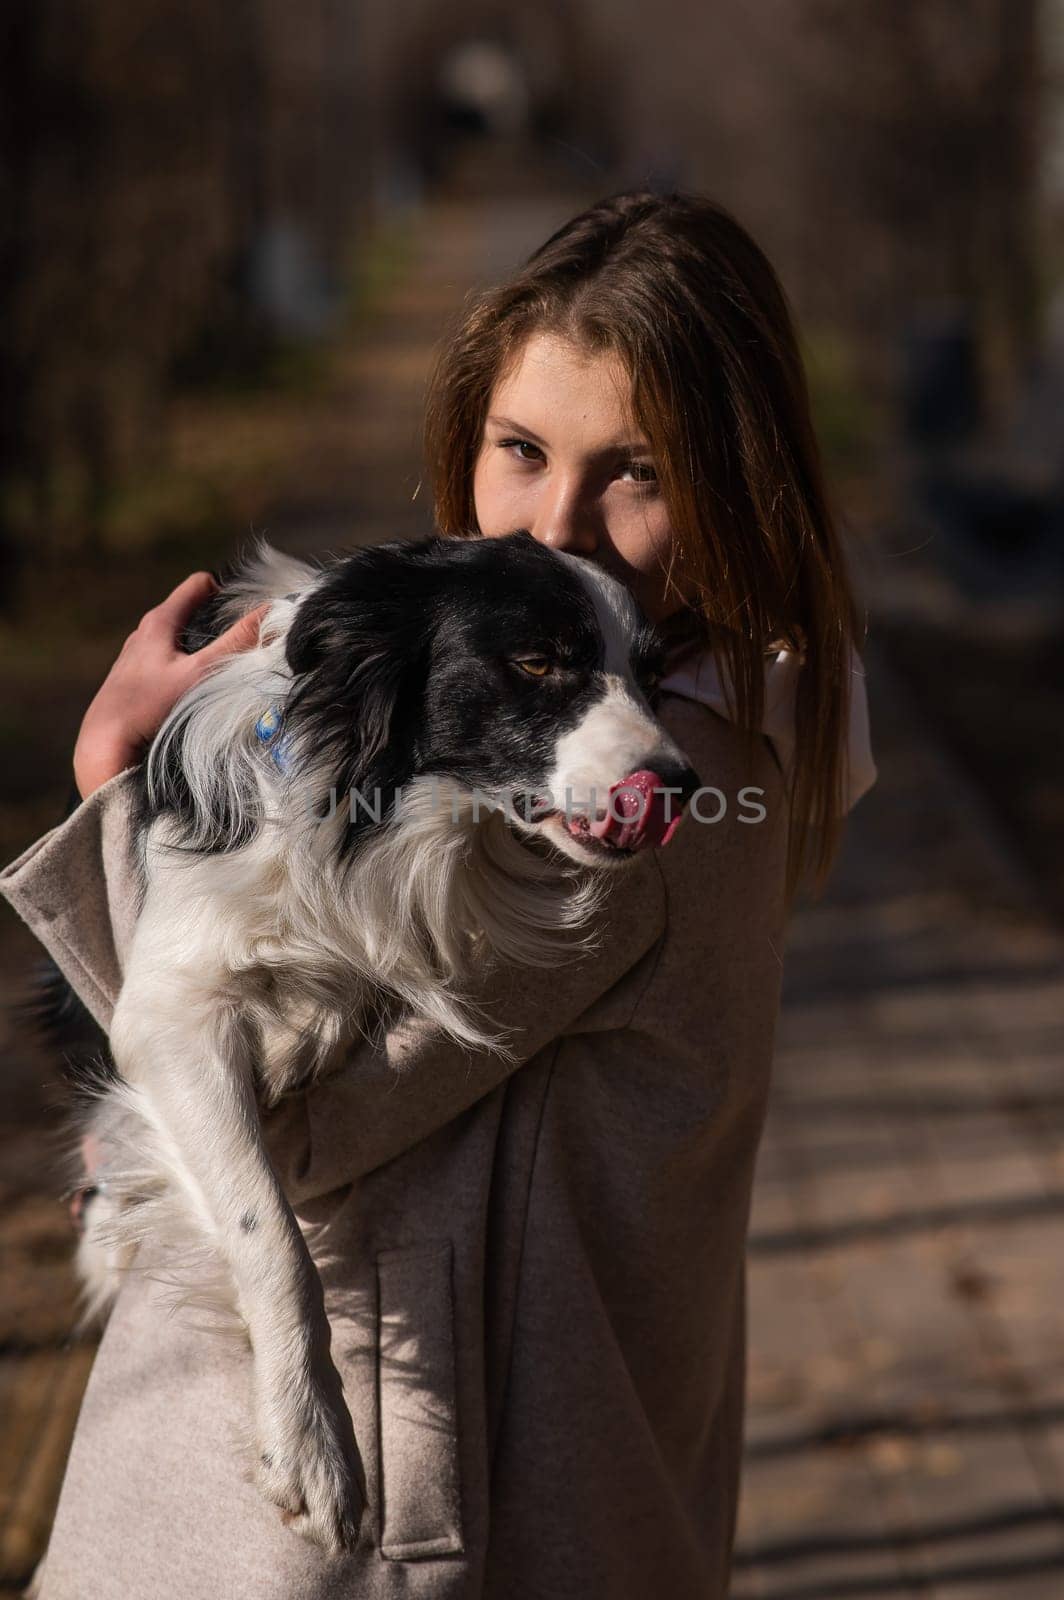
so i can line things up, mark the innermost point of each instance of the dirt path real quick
(906, 1426)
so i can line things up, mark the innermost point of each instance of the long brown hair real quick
(681, 293)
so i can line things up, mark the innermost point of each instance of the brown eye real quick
(535, 666)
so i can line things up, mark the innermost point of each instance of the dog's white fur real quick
(254, 971)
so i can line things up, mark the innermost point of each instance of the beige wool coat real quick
(534, 1275)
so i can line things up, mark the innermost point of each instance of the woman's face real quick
(562, 456)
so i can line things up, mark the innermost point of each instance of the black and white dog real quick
(430, 746)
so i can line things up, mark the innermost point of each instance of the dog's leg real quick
(187, 1054)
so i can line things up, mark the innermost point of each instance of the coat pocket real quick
(421, 1513)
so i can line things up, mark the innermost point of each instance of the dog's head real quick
(515, 672)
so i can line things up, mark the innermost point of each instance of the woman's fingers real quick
(172, 614)
(148, 678)
(242, 635)
(169, 619)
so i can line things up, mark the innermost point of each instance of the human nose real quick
(565, 520)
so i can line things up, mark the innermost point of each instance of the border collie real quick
(428, 758)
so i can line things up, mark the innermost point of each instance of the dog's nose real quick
(644, 810)
(685, 779)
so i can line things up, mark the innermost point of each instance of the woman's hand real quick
(150, 675)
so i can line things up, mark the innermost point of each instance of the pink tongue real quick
(636, 813)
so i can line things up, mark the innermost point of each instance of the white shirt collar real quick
(697, 677)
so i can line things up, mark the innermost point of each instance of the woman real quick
(534, 1276)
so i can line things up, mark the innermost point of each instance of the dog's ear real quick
(379, 682)
(313, 633)
(356, 648)
(366, 604)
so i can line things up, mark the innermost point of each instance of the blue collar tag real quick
(268, 730)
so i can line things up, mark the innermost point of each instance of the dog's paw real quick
(308, 1465)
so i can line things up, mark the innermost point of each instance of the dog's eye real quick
(535, 666)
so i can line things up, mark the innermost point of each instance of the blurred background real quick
(232, 235)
